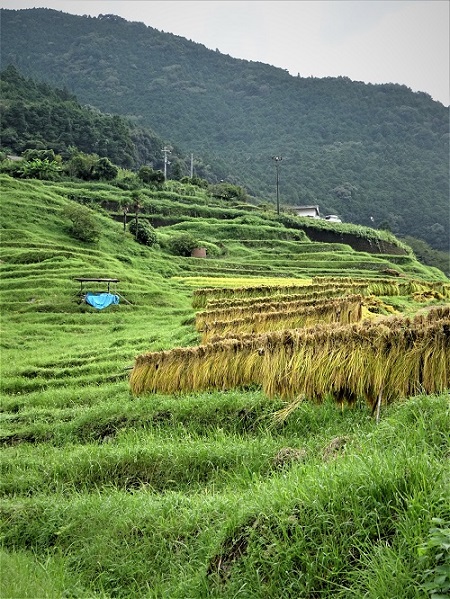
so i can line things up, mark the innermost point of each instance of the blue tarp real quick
(101, 300)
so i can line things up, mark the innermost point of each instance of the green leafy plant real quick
(436, 553)
(104, 169)
(228, 192)
(39, 169)
(147, 175)
(182, 244)
(143, 232)
(197, 181)
(84, 226)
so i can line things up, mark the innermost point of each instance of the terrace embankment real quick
(359, 244)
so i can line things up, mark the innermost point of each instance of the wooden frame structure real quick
(95, 280)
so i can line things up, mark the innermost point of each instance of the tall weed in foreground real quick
(26, 575)
(351, 530)
(346, 525)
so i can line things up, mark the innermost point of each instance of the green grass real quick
(325, 524)
(105, 495)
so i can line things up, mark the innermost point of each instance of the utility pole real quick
(125, 212)
(166, 162)
(278, 159)
(192, 165)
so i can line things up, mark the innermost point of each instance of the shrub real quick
(129, 182)
(213, 250)
(147, 175)
(197, 181)
(38, 169)
(105, 170)
(81, 165)
(144, 233)
(11, 168)
(33, 154)
(182, 244)
(227, 192)
(85, 226)
(90, 167)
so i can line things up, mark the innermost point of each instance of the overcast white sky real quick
(376, 41)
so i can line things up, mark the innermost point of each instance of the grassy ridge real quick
(333, 517)
(198, 495)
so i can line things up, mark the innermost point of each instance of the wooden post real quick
(379, 406)
(137, 207)
(125, 211)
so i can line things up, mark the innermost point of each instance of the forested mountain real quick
(39, 116)
(375, 154)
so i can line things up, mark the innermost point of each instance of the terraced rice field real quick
(218, 493)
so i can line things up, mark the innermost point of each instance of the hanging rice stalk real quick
(393, 361)
(394, 358)
(343, 310)
(308, 292)
(201, 297)
(241, 310)
(401, 286)
(216, 297)
(225, 365)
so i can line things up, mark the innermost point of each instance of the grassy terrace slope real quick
(104, 494)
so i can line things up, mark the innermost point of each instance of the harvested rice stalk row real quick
(397, 358)
(323, 293)
(351, 363)
(201, 296)
(215, 297)
(387, 287)
(432, 315)
(405, 286)
(343, 310)
(208, 317)
(224, 365)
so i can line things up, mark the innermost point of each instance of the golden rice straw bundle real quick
(208, 317)
(216, 297)
(330, 362)
(269, 335)
(343, 310)
(227, 328)
(307, 291)
(418, 361)
(323, 280)
(443, 289)
(300, 369)
(433, 314)
(282, 297)
(395, 357)
(224, 365)
(435, 368)
(383, 286)
(202, 296)
(360, 361)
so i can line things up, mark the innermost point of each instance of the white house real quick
(312, 211)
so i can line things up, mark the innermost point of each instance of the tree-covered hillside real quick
(375, 154)
(36, 115)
